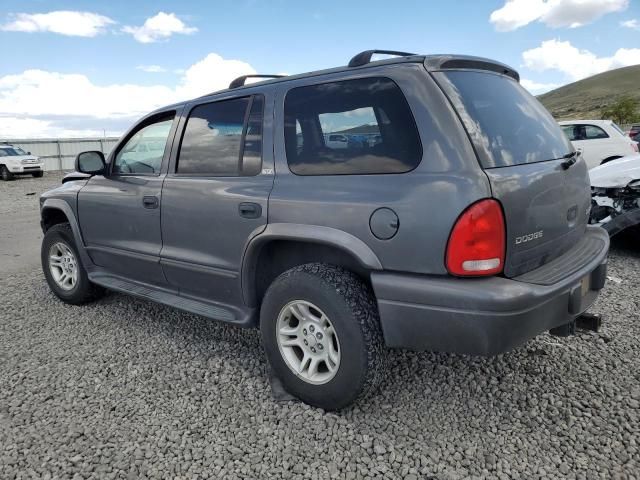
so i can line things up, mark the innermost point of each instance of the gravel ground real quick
(123, 388)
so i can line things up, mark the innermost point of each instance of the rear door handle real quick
(250, 210)
(150, 201)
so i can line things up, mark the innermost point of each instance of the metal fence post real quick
(59, 154)
(101, 146)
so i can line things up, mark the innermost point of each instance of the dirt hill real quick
(585, 98)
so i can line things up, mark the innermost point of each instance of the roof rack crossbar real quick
(239, 82)
(363, 58)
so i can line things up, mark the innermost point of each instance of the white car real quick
(600, 141)
(336, 140)
(15, 161)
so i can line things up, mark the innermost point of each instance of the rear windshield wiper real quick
(570, 159)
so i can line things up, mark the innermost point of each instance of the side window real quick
(570, 132)
(223, 138)
(591, 132)
(352, 127)
(143, 152)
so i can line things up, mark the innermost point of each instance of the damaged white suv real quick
(615, 189)
(15, 161)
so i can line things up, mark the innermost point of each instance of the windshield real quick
(507, 125)
(11, 151)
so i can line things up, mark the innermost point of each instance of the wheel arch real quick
(55, 211)
(608, 159)
(283, 246)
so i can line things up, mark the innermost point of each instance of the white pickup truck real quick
(15, 161)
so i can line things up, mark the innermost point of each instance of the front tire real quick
(322, 335)
(63, 269)
(5, 173)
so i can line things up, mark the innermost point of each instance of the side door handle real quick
(250, 210)
(150, 201)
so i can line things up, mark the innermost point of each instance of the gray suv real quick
(454, 217)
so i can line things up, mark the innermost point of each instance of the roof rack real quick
(365, 57)
(239, 82)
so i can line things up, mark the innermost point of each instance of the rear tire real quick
(37, 174)
(63, 268)
(5, 173)
(348, 362)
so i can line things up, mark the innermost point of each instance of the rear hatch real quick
(523, 151)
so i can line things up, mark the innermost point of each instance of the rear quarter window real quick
(507, 125)
(350, 127)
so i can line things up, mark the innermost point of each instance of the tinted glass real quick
(143, 152)
(507, 125)
(359, 126)
(591, 132)
(213, 141)
(571, 132)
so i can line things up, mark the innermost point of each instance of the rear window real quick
(507, 125)
(351, 127)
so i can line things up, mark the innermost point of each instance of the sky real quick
(82, 68)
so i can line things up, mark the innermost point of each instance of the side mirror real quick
(91, 162)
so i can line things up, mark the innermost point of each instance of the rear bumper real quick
(484, 316)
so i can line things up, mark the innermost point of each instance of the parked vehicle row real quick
(462, 229)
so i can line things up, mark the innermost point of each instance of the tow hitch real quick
(586, 321)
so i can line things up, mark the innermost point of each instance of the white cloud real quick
(576, 63)
(38, 92)
(159, 27)
(536, 88)
(151, 68)
(64, 22)
(46, 101)
(633, 23)
(554, 13)
(210, 74)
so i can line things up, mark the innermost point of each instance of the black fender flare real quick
(333, 237)
(64, 207)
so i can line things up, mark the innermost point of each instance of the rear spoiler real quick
(437, 63)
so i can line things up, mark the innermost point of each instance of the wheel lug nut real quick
(319, 335)
(320, 347)
(304, 331)
(313, 350)
(312, 328)
(306, 343)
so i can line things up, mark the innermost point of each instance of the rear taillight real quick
(477, 241)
